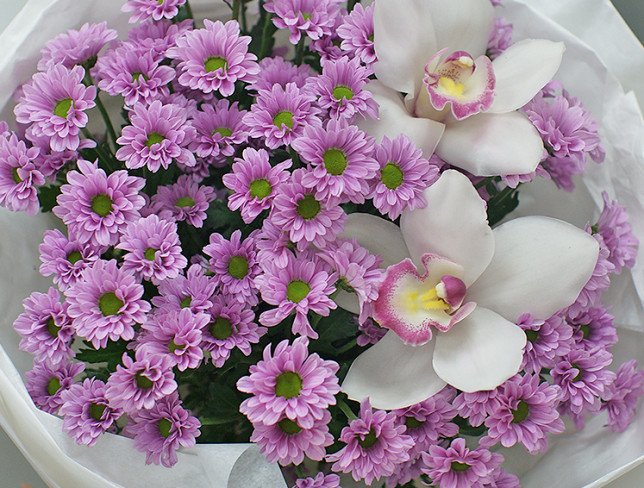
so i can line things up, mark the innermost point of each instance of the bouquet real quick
(296, 228)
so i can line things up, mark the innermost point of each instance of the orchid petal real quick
(480, 352)
(539, 267)
(400, 62)
(378, 236)
(394, 119)
(522, 70)
(492, 144)
(393, 374)
(452, 225)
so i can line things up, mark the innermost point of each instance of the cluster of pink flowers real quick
(203, 241)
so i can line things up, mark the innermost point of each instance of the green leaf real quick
(110, 355)
(47, 196)
(501, 204)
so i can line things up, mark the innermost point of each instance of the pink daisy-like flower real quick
(356, 33)
(158, 135)
(185, 200)
(287, 443)
(476, 406)
(154, 249)
(375, 445)
(340, 89)
(280, 115)
(141, 382)
(232, 325)
(341, 159)
(500, 37)
(96, 207)
(76, 46)
(328, 47)
(320, 481)
(313, 18)
(192, 291)
(616, 231)
(86, 412)
(621, 396)
(593, 328)
(46, 383)
(405, 472)
(254, 182)
(49, 162)
(219, 129)
(526, 412)
(234, 264)
(273, 245)
(277, 71)
(214, 58)
(289, 383)
(143, 10)
(19, 176)
(106, 303)
(369, 332)
(404, 175)
(54, 103)
(65, 259)
(307, 219)
(158, 37)
(164, 428)
(547, 339)
(301, 286)
(45, 327)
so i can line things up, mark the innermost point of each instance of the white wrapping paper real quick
(589, 458)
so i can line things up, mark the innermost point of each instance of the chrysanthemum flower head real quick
(617, 234)
(192, 291)
(184, 200)
(156, 10)
(219, 130)
(313, 18)
(277, 71)
(46, 383)
(356, 33)
(621, 396)
(19, 176)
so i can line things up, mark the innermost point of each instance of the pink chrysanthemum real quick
(289, 383)
(185, 200)
(49, 162)
(320, 481)
(287, 443)
(301, 286)
(232, 325)
(192, 291)
(45, 327)
(621, 396)
(76, 46)
(273, 245)
(160, 431)
(341, 159)
(616, 231)
(375, 445)
(476, 406)
(369, 332)
(404, 175)
(19, 176)
(106, 303)
(214, 58)
(328, 47)
(500, 37)
(547, 339)
(254, 182)
(154, 249)
(356, 33)
(46, 383)
(313, 18)
(593, 328)
(280, 115)
(405, 472)
(54, 104)
(143, 10)
(219, 129)
(158, 37)
(96, 207)
(277, 71)
(86, 412)
(158, 135)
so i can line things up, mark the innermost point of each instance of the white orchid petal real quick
(393, 375)
(379, 236)
(480, 352)
(540, 265)
(522, 70)
(347, 301)
(492, 144)
(394, 119)
(400, 62)
(453, 225)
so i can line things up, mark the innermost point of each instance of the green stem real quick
(105, 158)
(207, 421)
(299, 51)
(347, 347)
(106, 118)
(266, 36)
(244, 22)
(347, 410)
(484, 182)
(236, 9)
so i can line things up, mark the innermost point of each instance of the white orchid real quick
(454, 322)
(457, 102)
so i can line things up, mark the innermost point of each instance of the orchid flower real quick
(454, 290)
(457, 102)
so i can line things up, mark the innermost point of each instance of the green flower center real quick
(136, 76)
(297, 290)
(308, 207)
(186, 302)
(283, 118)
(585, 330)
(214, 63)
(74, 256)
(521, 412)
(52, 328)
(260, 188)
(185, 202)
(412, 423)
(306, 15)
(335, 161)
(62, 107)
(369, 440)
(15, 176)
(53, 386)
(289, 427)
(238, 267)
(223, 131)
(391, 176)
(102, 205)
(173, 346)
(288, 385)
(459, 467)
(164, 428)
(532, 335)
(341, 91)
(143, 382)
(96, 411)
(150, 254)
(154, 138)
(109, 304)
(221, 328)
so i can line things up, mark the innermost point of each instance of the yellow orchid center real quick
(451, 87)
(428, 300)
